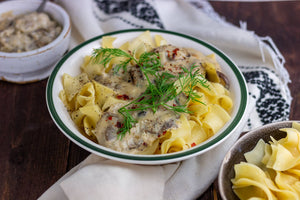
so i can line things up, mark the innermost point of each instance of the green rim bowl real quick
(71, 62)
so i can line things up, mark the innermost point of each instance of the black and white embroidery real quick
(140, 9)
(270, 105)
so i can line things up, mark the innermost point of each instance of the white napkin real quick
(99, 178)
(257, 57)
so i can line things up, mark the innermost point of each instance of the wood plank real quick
(33, 151)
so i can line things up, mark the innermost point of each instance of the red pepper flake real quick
(193, 144)
(168, 53)
(174, 104)
(123, 96)
(109, 118)
(119, 125)
(134, 107)
(175, 52)
(142, 98)
(163, 133)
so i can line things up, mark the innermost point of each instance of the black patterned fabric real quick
(270, 105)
(139, 9)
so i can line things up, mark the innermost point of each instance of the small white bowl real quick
(71, 62)
(36, 64)
(245, 144)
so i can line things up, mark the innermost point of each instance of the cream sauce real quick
(129, 85)
(27, 32)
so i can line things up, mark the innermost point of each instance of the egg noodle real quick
(272, 170)
(101, 109)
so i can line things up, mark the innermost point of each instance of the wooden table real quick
(33, 152)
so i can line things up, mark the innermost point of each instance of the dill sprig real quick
(188, 82)
(128, 122)
(162, 88)
(105, 55)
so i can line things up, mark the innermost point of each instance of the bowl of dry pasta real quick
(147, 96)
(263, 164)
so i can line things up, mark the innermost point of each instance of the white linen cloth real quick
(257, 57)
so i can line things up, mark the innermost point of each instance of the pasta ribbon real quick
(159, 40)
(81, 102)
(107, 41)
(102, 93)
(272, 170)
(143, 39)
(198, 134)
(215, 119)
(86, 96)
(73, 85)
(91, 68)
(251, 177)
(87, 117)
(113, 103)
(178, 137)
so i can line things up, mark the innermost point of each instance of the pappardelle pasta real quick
(272, 170)
(147, 96)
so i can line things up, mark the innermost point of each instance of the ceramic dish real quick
(36, 64)
(245, 144)
(71, 64)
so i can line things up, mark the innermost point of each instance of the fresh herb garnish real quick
(162, 87)
(105, 55)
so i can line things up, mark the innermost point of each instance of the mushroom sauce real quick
(129, 85)
(27, 32)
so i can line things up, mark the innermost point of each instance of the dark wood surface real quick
(33, 152)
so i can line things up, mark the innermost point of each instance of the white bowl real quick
(38, 60)
(71, 62)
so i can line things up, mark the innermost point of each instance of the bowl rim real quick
(271, 126)
(150, 159)
(66, 28)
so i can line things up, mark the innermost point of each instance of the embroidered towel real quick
(257, 57)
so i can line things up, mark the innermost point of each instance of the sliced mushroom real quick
(136, 75)
(107, 128)
(223, 79)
